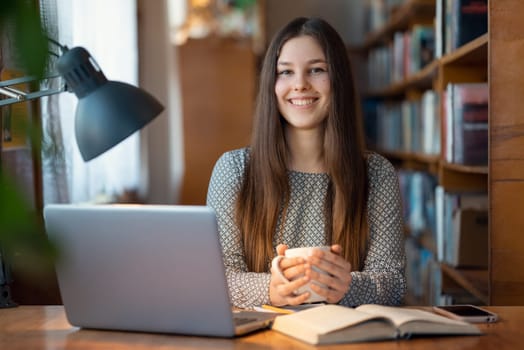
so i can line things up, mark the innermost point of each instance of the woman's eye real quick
(317, 70)
(284, 72)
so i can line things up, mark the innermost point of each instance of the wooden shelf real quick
(453, 177)
(412, 11)
(475, 281)
(413, 161)
(423, 239)
(456, 177)
(421, 80)
(473, 53)
(466, 168)
(467, 64)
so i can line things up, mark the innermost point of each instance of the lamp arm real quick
(15, 96)
(63, 48)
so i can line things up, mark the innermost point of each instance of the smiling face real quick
(302, 86)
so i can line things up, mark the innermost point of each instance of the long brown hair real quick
(265, 189)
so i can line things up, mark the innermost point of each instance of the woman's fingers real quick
(281, 249)
(336, 248)
(289, 288)
(332, 295)
(337, 283)
(293, 267)
(293, 299)
(282, 292)
(332, 263)
(334, 275)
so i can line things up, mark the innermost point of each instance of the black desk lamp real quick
(106, 114)
(107, 111)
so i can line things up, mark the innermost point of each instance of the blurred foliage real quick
(244, 4)
(22, 240)
(22, 237)
(21, 18)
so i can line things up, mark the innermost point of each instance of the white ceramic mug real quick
(302, 252)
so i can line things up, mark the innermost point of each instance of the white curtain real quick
(108, 30)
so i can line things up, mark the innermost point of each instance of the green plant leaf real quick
(22, 235)
(21, 20)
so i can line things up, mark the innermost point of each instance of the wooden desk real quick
(45, 327)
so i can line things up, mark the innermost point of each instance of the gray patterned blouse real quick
(381, 280)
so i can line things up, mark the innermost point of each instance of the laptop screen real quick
(146, 268)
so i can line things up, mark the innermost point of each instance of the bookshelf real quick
(420, 80)
(413, 161)
(412, 11)
(473, 280)
(491, 58)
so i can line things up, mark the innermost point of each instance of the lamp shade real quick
(107, 111)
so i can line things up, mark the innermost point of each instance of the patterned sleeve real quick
(382, 279)
(245, 288)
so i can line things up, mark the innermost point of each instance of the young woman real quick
(306, 180)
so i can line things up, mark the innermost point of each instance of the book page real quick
(329, 324)
(402, 315)
(328, 318)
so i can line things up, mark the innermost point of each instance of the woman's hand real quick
(282, 292)
(338, 277)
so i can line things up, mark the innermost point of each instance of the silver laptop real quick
(147, 268)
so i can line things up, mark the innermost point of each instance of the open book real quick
(329, 324)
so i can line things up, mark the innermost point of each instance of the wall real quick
(217, 77)
(161, 141)
(346, 16)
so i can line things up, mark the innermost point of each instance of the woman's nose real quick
(301, 82)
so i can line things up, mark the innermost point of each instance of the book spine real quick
(448, 156)
(450, 205)
(439, 217)
(398, 57)
(439, 28)
(408, 42)
(380, 67)
(458, 123)
(430, 125)
(416, 145)
(407, 126)
(423, 47)
(470, 123)
(448, 5)
(471, 17)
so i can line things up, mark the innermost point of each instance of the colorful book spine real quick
(469, 20)
(422, 48)
(465, 124)
(470, 123)
(461, 228)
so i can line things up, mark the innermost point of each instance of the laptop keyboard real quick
(243, 320)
